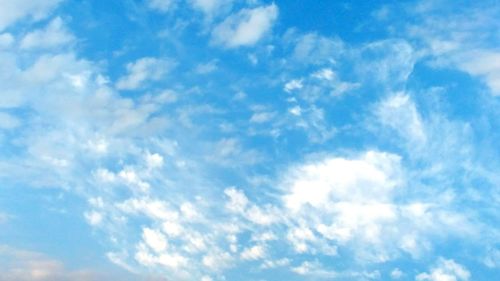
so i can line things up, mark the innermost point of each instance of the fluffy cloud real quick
(445, 270)
(154, 239)
(253, 253)
(53, 35)
(370, 178)
(355, 203)
(485, 64)
(13, 11)
(246, 27)
(144, 70)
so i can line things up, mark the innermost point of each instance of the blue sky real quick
(249, 140)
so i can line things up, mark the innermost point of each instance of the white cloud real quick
(313, 48)
(172, 229)
(396, 273)
(325, 74)
(445, 270)
(13, 11)
(275, 263)
(53, 35)
(239, 204)
(372, 177)
(296, 110)
(291, 85)
(154, 160)
(152, 208)
(131, 178)
(144, 70)
(299, 238)
(351, 202)
(206, 278)
(399, 113)
(262, 117)
(237, 200)
(154, 239)
(314, 269)
(391, 63)
(245, 28)
(217, 260)
(169, 260)
(93, 218)
(253, 253)
(482, 63)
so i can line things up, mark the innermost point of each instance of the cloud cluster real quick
(332, 155)
(246, 27)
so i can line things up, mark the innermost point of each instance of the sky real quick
(249, 140)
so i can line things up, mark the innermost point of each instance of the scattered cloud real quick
(246, 27)
(13, 11)
(144, 70)
(445, 270)
(331, 149)
(53, 35)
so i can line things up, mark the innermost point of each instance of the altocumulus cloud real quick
(249, 140)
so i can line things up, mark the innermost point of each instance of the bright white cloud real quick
(154, 239)
(485, 64)
(253, 253)
(325, 74)
(291, 85)
(93, 218)
(246, 27)
(53, 35)
(351, 202)
(144, 70)
(13, 11)
(445, 270)
(372, 177)
(237, 200)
